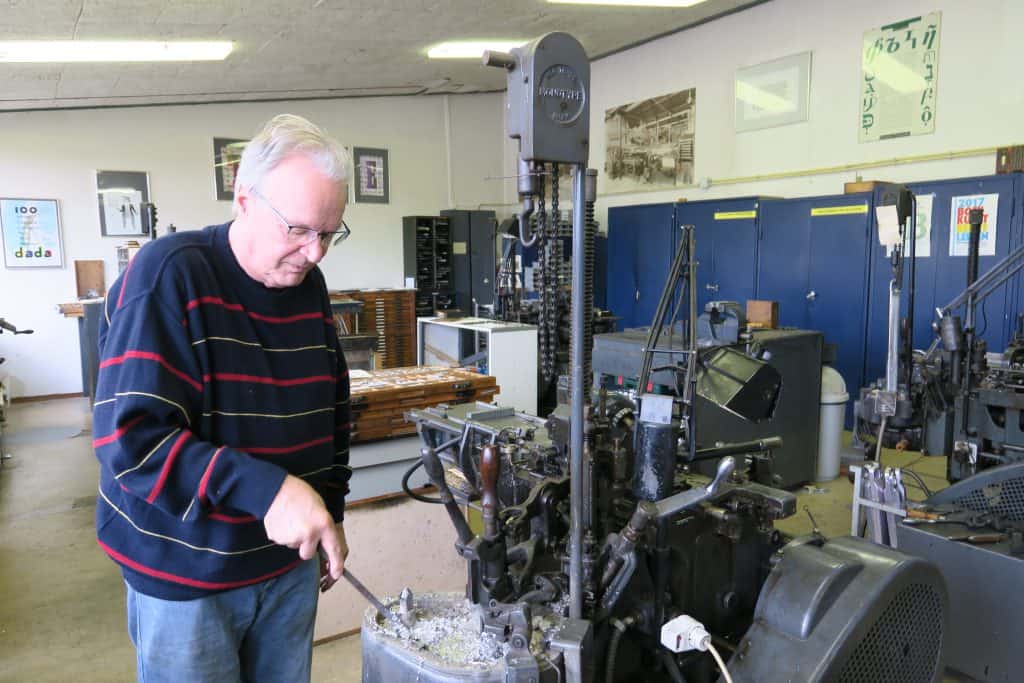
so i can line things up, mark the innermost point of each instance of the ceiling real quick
(288, 49)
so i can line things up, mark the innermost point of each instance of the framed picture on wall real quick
(371, 169)
(227, 152)
(121, 196)
(31, 233)
(774, 93)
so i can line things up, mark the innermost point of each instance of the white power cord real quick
(718, 660)
(686, 633)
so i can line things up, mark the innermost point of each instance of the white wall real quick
(56, 154)
(980, 93)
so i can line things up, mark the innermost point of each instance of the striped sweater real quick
(211, 389)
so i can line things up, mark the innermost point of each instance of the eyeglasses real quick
(298, 234)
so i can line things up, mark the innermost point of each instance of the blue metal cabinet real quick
(640, 251)
(940, 276)
(726, 236)
(813, 261)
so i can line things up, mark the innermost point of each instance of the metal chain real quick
(552, 277)
(540, 278)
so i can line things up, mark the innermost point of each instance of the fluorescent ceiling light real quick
(112, 51)
(631, 3)
(470, 49)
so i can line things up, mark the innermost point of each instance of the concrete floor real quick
(62, 600)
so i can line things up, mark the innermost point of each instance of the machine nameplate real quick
(560, 94)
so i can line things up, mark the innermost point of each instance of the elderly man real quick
(222, 424)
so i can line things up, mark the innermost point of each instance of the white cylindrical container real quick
(833, 414)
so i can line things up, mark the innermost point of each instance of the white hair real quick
(286, 135)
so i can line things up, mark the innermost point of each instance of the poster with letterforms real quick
(31, 233)
(960, 226)
(899, 79)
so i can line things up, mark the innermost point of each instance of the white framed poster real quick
(899, 79)
(774, 93)
(121, 195)
(923, 244)
(960, 227)
(31, 233)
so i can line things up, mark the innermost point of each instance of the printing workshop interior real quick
(684, 338)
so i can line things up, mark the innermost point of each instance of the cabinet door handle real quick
(812, 295)
(711, 287)
(636, 297)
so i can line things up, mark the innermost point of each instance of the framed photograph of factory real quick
(371, 169)
(649, 144)
(774, 93)
(227, 153)
(121, 196)
(31, 233)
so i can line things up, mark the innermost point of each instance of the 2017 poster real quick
(960, 227)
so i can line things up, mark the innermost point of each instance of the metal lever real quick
(503, 60)
(435, 470)
(646, 511)
(490, 470)
(371, 598)
(812, 295)
(688, 499)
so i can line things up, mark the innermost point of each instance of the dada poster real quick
(31, 233)
(960, 226)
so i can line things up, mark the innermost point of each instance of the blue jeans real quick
(260, 633)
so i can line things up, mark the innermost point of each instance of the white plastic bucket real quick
(833, 413)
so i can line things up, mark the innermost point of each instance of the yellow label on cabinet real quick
(839, 210)
(735, 215)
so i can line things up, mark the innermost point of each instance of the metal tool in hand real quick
(371, 598)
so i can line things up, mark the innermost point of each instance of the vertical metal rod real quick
(577, 398)
(908, 345)
(691, 257)
(892, 356)
(691, 359)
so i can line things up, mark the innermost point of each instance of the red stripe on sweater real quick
(217, 301)
(195, 583)
(245, 519)
(214, 300)
(277, 450)
(288, 319)
(255, 379)
(168, 463)
(118, 433)
(156, 358)
(206, 476)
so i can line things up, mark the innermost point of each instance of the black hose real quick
(412, 494)
(920, 482)
(613, 648)
(672, 667)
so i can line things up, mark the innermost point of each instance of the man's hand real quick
(327, 578)
(298, 519)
